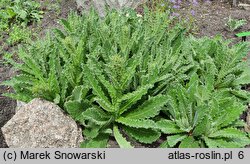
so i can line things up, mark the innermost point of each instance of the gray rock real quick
(41, 124)
(234, 2)
(244, 6)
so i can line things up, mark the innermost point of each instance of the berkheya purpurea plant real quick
(128, 73)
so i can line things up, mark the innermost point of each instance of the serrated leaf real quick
(164, 145)
(227, 133)
(133, 97)
(220, 143)
(142, 135)
(136, 123)
(239, 123)
(59, 33)
(102, 103)
(202, 127)
(243, 141)
(66, 25)
(192, 86)
(199, 115)
(20, 79)
(174, 139)
(79, 93)
(97, 90)
(189, 142)
(230, 114)
(57, 99)
(148, 109)
(168, 127)
(99, 142)
(245, 95)
(244, 78)
(74, 108)
(92, 132)
(123, 143)
(22, 97)
(108, 86)
(131, 70)
(98, 116)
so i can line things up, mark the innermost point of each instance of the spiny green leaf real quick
(123, 143)
(97, 90)
(22, 97)
(99, 142)
(245, 95)
(137, 123)
(74, 108)
(227, 133)
(59, 33)
(230, 114)
(142, 135)
(93, 132)
(131, 70)
(79, 93)
(189, 142)
(96, 115)
(66, 24)
(109, 86)
(20, 79)
(202, 127)
(133, 97)
(174, 139)
(243, 141)
(244, 78)
(149, 108)
(164, 145)
(168, 127)
(220, 143)
(102, 103)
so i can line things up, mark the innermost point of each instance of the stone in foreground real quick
(41, 124)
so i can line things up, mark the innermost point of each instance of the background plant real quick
(15, 16)
(174, 7)
(18, 34)
(20, 11)
(234, 24)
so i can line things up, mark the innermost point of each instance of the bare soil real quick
(210, 19)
